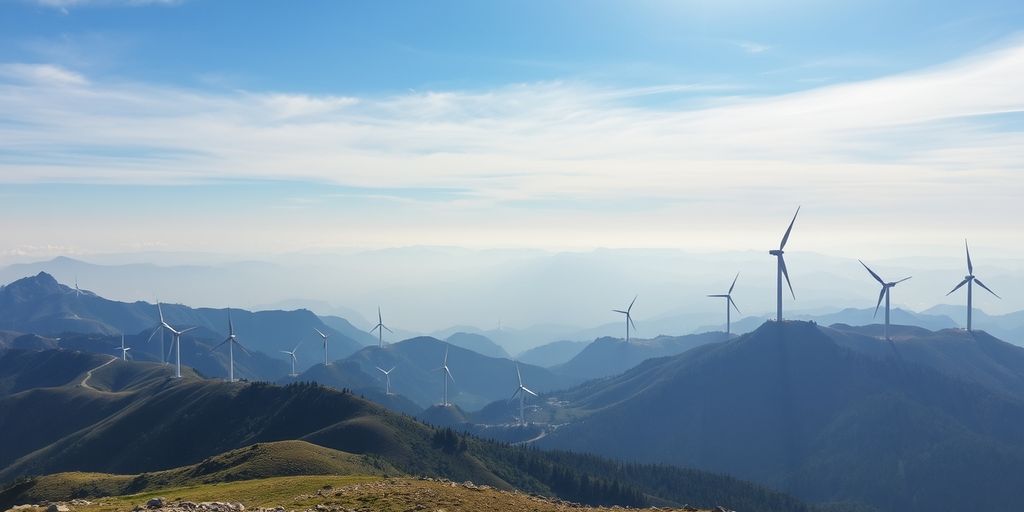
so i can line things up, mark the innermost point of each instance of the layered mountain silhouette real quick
(41, 305)
(113, 416)
(479, 379)
(552, 354)
(477, 343)
(929, 421)
(610, 356)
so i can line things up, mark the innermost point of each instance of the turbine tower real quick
(124, 350)
(446, 375)
(387, 379)
(629, 316)
(380, 328)
(729, 304)
(291, 354)
(324, 337)
(175, 339)
(159, 327)
(781, 270)
(231, 340)
(521, 391)
(886, 287)
(969, 280)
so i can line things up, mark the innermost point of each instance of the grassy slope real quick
(285, 458)
(345, 492)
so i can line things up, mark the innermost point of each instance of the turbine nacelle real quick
(776, 252)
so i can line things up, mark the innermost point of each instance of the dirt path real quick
(88, 375)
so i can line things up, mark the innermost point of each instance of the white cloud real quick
(752, 47)
(921, 139)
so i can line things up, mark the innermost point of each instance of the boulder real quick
(155, 503)
(58, 507)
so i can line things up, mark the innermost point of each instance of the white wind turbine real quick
(324, 337)
(521, 391)
(729, 304)
(380, 328)
(231, 340)
(969, 280)
(175, 337)
(446, 374)
(884, 294)
(291, 354)
(629, 317)
(387, 379)
(781, 266)
(124, 350)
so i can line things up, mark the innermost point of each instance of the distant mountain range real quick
(553, 354)
(611, 356)
(829, 414)
(41, 305)
(68, 411)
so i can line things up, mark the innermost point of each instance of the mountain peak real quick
(39, 285)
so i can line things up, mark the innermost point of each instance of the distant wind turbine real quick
(781, 264)
(629, 317)
(446, 375)
(387, 379)
(175, 337)
(729, 304)
(231, 340)
(124, 350)
(886, 287)
(521, 391)
(969, 280)
(324, 337)
(380, 328)
(291, 354)
(78, 291)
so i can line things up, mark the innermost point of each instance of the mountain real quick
(609, 356)
(552, 354)
(477, 343)
(41, 305)
(348, 330)
(791, 407)
(1009, 327)
(128, 418)
(479, 379)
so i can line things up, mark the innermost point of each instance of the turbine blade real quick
(161, 311)
(380, 369)
(785, 238)
(231, 326)
(718, 295)
(881, 296)
(734, 282)
(386, 328)
(530, 392)
(970, 266)
(976, 280)
(296, 346)
(785, 272)
(154, 333)
(519, 375)
(873, 274)
(392, 369)
(318, 331)
(631, 322)
(243, 348)
(901, 280)
(734, 305)
(619, 311)
(957, 287)
(285, 352)
(515, 394)
(630, 308)
(220, 344)
(187, 330)
(449, 373)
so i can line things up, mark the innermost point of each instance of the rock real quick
(80, 503)
(58, 507)
(155, 503)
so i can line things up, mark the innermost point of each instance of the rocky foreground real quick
(391, 494)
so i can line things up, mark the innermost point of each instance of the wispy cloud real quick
(848, 144)
(752, 47)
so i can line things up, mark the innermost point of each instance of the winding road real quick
(88, 375)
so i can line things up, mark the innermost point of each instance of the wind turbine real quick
(781, 271)
(291, 354)
(521, 391)
(445, 376)
(969, 280)
(629, 317)
(78, 291)
(231, 340)
(380, 328)
(324, 336)
(124, 350)
(387, 379)
(729, 304)
(175, 337)
(886, 287)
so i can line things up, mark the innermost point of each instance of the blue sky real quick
(526, 124)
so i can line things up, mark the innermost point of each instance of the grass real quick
(345, 492)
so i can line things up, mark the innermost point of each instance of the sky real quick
(261, 128)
